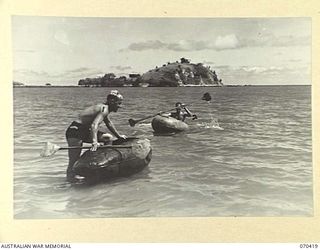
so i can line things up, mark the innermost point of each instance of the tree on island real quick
(109, 77)
(184, 60)
(110, 80)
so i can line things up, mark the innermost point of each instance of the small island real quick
(175, 74)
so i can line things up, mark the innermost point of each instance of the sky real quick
(257, 51)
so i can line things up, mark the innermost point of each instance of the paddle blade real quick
(132, 122)
(49, 149)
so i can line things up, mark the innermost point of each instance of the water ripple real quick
(248, 154)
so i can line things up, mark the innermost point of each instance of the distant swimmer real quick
(85, 129)
(206, 97)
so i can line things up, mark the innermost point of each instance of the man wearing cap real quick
(85, 129)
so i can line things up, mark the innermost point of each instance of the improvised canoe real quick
(167, 124)
(108, 163)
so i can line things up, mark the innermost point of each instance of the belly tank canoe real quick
(108, 163)
(167, 124)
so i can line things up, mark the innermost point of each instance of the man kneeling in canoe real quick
(182, 112)
(85, 129)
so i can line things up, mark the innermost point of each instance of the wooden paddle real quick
(50, 148)
(133, 122)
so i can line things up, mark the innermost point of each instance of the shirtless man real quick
(85, 129)
(182, 114)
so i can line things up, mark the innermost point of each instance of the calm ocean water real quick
(248, 154)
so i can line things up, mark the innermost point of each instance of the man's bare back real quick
(87, 116)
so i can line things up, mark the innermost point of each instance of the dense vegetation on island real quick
(174, 74)
(110, 80)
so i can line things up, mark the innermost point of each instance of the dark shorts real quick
(80, 131)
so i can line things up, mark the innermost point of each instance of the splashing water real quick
(212, 124)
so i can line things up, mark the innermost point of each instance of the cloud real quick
(285, 41)
(121, 67)
(226, 42)
(77, 70)
(268, 72)
(187, 45)
(31, 73)
(254, 69)
(270, 40)
(147, 45)
(74, 73)
(259, 70)
(264, 75)
(249, 71)
(82, 72)
(221, 43)
(208, 62)
(182, 45)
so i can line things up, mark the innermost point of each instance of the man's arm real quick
(94, 130)
(111, 127)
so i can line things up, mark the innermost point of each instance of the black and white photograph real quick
(135, 117)
(192, 123)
